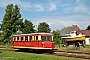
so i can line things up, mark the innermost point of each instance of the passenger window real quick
(36, 37)
(17, 38)
(14, 39)
(26, 38)
(21, 38)
(30, 38)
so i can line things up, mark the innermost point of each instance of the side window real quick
(43, 37)
(36, 37)
(14, 39)
(49, 38)
(17, 38)
(21, 38)
(30, 38)
(26, 38)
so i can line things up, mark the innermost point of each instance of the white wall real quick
(87, 41)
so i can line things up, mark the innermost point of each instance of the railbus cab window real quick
(46, 38)
(49, 38)
(43, 37)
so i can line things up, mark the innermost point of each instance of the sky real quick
(57, 13)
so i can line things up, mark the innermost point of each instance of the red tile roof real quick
(86, 32)
(67, 30)
(76, 28)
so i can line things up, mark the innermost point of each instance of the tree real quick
(56, 36)
(43, 27)
(88, 28)
(57, 39)
(28, 27)
(0, 27)
(6, 26)
(16, 20)
(12, 21)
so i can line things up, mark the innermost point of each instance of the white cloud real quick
(24, 5)
(39, 7)
(80, 7)
(58, 22)
(77, 7)
(30, 7)
(64, 5)
(56, 14)
(52, 6)
(67, 9)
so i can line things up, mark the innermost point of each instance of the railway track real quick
(73, 54)
(5, 48)
(67, 51)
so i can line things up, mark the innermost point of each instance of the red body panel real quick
(48, 44)
(34, 44)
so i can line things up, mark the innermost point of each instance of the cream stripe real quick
(31, 47)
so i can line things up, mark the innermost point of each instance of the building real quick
(68, 29)
(87, 35)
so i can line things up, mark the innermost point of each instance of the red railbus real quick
(33, 41)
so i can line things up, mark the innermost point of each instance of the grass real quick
(10, 55)
(6, 45)
(87, 46)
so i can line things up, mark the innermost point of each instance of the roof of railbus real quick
(34, 34)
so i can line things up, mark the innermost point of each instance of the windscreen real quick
(46, 38)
